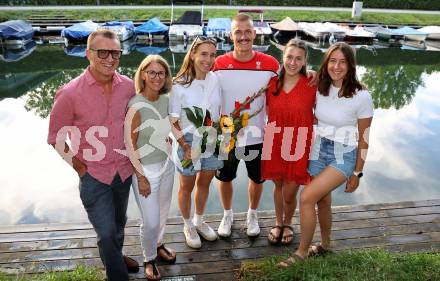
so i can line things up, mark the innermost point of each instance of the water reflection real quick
(37, 186)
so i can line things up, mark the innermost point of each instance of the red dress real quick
(290, 126)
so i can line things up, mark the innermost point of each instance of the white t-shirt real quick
(338, 116)
(201, 93)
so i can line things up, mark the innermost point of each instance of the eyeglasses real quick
(103, 54)
(152, 74)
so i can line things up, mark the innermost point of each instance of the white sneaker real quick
(253, 229)
(224, 229)
(192, 237)
(206, 232)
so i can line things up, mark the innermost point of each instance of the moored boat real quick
(78, 32)
(124, 29)
(16, 33)
(153, 29)
(358, 34)
(384, 33)
(188, 26)
(411, 33)
(318, 30)
(432, 30)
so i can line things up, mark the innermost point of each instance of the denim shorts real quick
(206, 163)
(326, 153)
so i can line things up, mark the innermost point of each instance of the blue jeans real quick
(326, 153)
(205, 163)
(106, 207)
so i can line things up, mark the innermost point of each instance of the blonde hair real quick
(242, 17)
(139, 82)
(106, 33)
(187, 72)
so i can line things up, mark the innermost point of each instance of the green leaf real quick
(199, 115)
(191, 117)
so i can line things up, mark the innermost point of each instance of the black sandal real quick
(170, 254)
(275, 240)
(155, 271)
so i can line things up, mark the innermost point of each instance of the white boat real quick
(411, 33)
(432, 30)
(358, 34)
(323, 31)
(384, 33)
(188, 26)
(124, 29)
(261, 27)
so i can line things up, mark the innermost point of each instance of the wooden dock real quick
(404, 226)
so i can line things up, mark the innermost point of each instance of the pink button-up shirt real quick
(81, 103)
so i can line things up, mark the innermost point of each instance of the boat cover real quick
(152, 26)
(128, 24)
(14, 29)
(190, 17)
(80, 30)
(287, 24)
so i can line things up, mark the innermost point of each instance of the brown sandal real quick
(287, 239)
(275, 240)
(169, 256)
(293, 259)
(318, 250)
(156, 275)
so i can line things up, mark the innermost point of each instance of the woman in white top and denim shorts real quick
(344, 110)
(195, 85)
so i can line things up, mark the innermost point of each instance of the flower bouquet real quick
(226, 129)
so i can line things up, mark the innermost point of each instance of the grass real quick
(81, 273)
(164, 15)
(371, 265)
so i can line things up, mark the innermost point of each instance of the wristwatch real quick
(358, 174)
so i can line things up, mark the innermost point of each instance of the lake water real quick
(37, 186)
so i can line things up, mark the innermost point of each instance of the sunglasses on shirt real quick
(103, 53)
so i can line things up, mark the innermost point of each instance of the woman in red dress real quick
(288, 137)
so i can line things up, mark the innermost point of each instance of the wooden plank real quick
(84, 233)
(134, 240)
(420, 242)
(241, 241)
(216, 217)
(403, 226)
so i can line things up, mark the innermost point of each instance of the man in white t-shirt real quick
(242, 73)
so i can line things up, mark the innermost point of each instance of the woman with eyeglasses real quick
(147, 130)
(195, 86)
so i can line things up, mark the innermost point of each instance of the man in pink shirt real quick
(91, 110)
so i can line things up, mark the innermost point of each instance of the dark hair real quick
(297, 43)
(350, 83)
